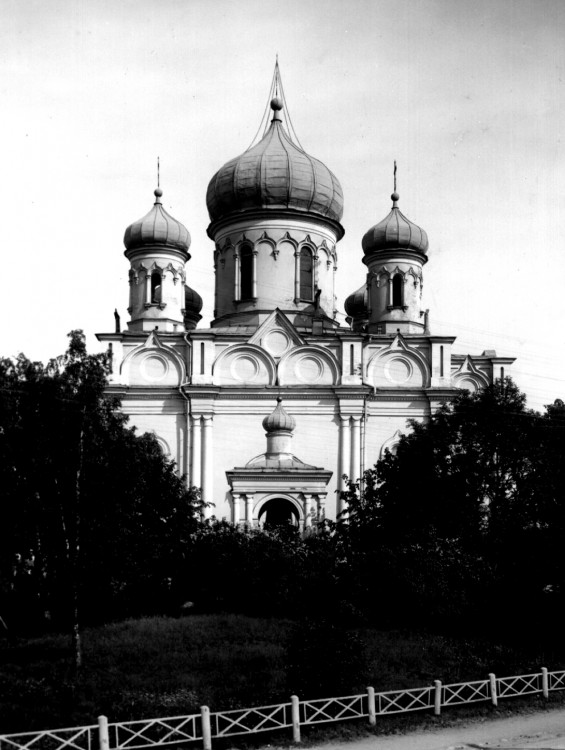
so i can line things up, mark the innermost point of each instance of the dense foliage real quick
(93, 517)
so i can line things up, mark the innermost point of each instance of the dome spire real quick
(395, 197)
(276, 95)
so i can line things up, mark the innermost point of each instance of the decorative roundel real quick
(308, 369)
(243, 365)
(245, 368)
(276, 343)
(467, 384)
(398, 370)
(155, 367)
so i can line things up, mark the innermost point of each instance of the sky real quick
(467, 97)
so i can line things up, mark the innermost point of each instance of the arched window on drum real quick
(156, 287)
(246, 272)
(306, 274)
(397, 290)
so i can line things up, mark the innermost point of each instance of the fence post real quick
(295, 718)
(437, 697)
(493, 695)
(371, 703)
(206, 728)
(544, 683)
(103, 737)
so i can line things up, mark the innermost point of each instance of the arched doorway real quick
(278, 512)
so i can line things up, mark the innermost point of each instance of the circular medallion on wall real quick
(244, 368)
(154, 368)
(276, 343)
(467, 384)
(398, 370)
(308, 369)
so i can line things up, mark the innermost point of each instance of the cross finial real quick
(158, 173)
(395, 175)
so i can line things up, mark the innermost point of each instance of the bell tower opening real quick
(278, 512)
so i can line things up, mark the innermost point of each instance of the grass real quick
(165, 667)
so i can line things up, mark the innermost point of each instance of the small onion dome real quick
(357, 304)
(357, 309)
(157, 228)
(275, 174)
(395, 232)
(279, 419)
(192, 301)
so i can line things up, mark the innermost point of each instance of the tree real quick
(94, 516)
(449, 520)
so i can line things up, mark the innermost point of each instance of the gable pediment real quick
(277, 335)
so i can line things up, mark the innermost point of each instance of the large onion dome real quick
(395, 232)
(279, 419)
(275, 174)
(157, 228)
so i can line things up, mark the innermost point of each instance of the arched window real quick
(156, 288)
(306, 276)
(397, 290)
(246, 272)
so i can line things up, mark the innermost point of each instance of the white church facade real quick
(268, 407)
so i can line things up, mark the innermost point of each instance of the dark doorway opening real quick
(278, 512)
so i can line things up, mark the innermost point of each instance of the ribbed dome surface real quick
(279, 419)
(157, 228)
(275, 174)
(192, 300)
(395, 231)
(356, 305)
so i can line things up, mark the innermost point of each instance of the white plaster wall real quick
(167, 420)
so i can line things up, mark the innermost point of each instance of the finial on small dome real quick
(279, 399)
(394, 197)
(158, 192)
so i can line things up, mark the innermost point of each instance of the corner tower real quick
(395, 254)
(157, 249)
(275, 217)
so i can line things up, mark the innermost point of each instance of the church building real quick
(268, 407)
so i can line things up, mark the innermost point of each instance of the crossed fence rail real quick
(204, 726)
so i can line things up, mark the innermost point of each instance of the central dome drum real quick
(275, 174)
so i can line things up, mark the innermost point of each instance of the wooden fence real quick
(205, 726)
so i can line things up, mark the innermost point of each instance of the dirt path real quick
(545, 729)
